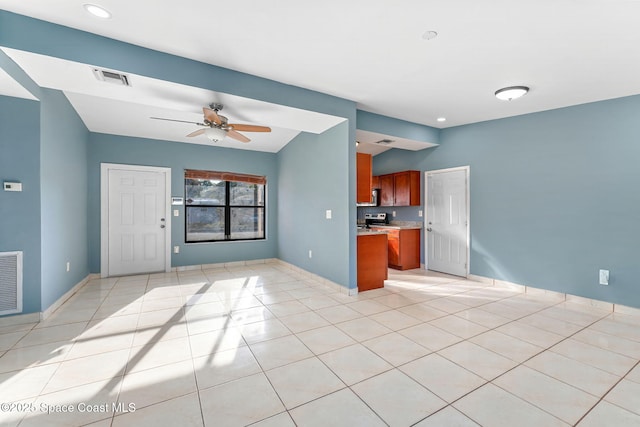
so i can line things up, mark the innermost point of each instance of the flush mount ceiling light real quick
(215, 134)
(441, 119)
(511, 92)
(97, 11)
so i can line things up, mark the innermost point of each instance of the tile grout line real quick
(609, 391)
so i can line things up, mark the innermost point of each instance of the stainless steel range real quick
(376, 219)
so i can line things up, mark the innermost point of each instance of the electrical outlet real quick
(604, 277)
(420, 213)
(393, 214)
(176, 212)
(328, 213)
(176, 249)
(68, 266)
(310, 254)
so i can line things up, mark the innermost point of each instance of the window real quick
(223, 206)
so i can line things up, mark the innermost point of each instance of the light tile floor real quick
(264, 346)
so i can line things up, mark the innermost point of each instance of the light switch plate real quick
(604, 277)
(328, 214)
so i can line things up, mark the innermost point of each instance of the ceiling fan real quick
(217, 126)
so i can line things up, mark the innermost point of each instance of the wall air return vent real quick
(111, 77)
(10, 282)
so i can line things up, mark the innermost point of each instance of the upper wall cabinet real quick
(364, 168)
(400, 189)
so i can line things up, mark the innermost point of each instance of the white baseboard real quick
(233, 264)
(53, 307)
(481, 279)
(623, 309)
(560, 296)
(19, 319)
(317, 278)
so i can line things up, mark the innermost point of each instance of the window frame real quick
(227, 178)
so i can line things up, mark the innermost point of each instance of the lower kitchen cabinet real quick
(372, 261)
(404, 247)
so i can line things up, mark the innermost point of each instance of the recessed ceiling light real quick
(441, 119)
(511, 92)
(97, 11)
(430, 35)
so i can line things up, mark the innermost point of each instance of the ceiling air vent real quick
(384, 141)
(111, 77)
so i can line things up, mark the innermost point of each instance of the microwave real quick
(375, 199)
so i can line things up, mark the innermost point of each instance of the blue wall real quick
(63, 181)
(312, 180)
(179, 156)
(20, 212)
(553, 196)
(45, 38)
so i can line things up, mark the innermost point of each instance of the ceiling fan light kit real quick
(511, 92)
(215, 134)
(217, 127)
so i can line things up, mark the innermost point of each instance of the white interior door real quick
(137, 237)
(447, 222)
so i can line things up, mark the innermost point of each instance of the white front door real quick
(137, 238)
(447, 223)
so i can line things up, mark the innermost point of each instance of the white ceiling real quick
(373, 51)
(121, 110)
(375, 143)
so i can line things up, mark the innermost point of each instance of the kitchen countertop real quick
(398, 227)
(366, 232)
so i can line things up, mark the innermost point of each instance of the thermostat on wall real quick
(12, 186)
(177, 201)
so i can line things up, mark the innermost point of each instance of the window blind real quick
(225, 176)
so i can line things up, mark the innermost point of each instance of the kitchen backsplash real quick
(403, 213)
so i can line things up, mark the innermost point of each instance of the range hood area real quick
(375, 199)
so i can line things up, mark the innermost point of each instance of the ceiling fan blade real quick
(197, 132)
(237, 135)
(249, 128)
(211, 115)
(174, 120)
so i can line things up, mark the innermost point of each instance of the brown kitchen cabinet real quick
(363, 177)
(375, 182)
(400, 189)
(403, 247)
(386, 190)
(372, 261)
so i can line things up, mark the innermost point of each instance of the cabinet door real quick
(393, 239)
(363, 177)
(375, 182)
(386, 190)
(407, 188)
(402, 189)
(409, 249)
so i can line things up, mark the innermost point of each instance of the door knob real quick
(162, 226)
(429, 229)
